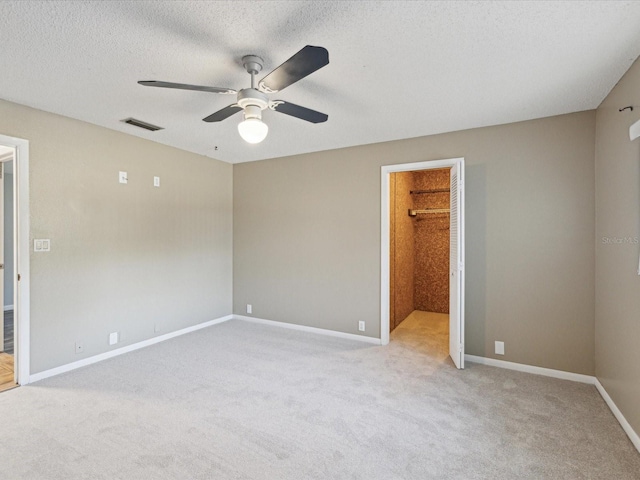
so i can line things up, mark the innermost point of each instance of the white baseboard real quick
(321, 331)
(7, 308)
(119, 351)
(520, 367)
(633, 436)
(576, 377)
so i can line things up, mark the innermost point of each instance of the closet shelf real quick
(433, 190)
(413, 213)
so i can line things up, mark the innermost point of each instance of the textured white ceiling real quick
(398, 69)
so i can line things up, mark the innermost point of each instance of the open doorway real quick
(14, 153)
(422, 293)
(7, 363)
(419, 258)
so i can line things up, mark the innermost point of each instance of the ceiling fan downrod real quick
(253, 65)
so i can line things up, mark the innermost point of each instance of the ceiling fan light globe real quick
(253, 130)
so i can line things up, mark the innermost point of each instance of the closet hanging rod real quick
(433, 190)
(413, 213)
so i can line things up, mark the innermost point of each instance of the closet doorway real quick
(422, 255)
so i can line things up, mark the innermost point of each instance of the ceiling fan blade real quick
(303, 63)
(184, 86)
(226, 112)
(299, 112)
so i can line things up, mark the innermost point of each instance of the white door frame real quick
(385, 226)
(21, 290)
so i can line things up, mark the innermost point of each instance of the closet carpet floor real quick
(246, 401)
(425, 332)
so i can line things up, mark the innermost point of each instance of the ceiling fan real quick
(253, 100)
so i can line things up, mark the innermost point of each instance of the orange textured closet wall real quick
(431, 275)
(402, 249)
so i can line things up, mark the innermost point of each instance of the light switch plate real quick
(41, 245)
(156, 181)
(122, 177)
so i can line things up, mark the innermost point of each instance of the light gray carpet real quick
(246, 401)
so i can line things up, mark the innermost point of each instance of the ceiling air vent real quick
(141, 124)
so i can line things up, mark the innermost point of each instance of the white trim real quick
(628, 429)
(129, 348)
(384, 233)
(22, 289)
(303, 328)
(385, 264)
(521, 367)
(22, 292)
(6, 308)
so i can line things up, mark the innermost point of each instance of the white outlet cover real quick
(499, 348)
(156, 181)
(361, 325)
(113, 338)
(122, 177)
(249, 308)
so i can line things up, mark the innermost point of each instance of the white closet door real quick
(456, 266)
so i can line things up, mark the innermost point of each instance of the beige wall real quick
(123, 257)
(617, 247)
(307, 237)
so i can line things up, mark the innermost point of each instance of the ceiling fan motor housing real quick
(253, 102)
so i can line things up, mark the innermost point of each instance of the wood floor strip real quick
(6, 372)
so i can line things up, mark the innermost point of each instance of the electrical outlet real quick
(249, 308)
(361, 325)
(113, 338)
(79, 347)
(499, 348)
(156, 181)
